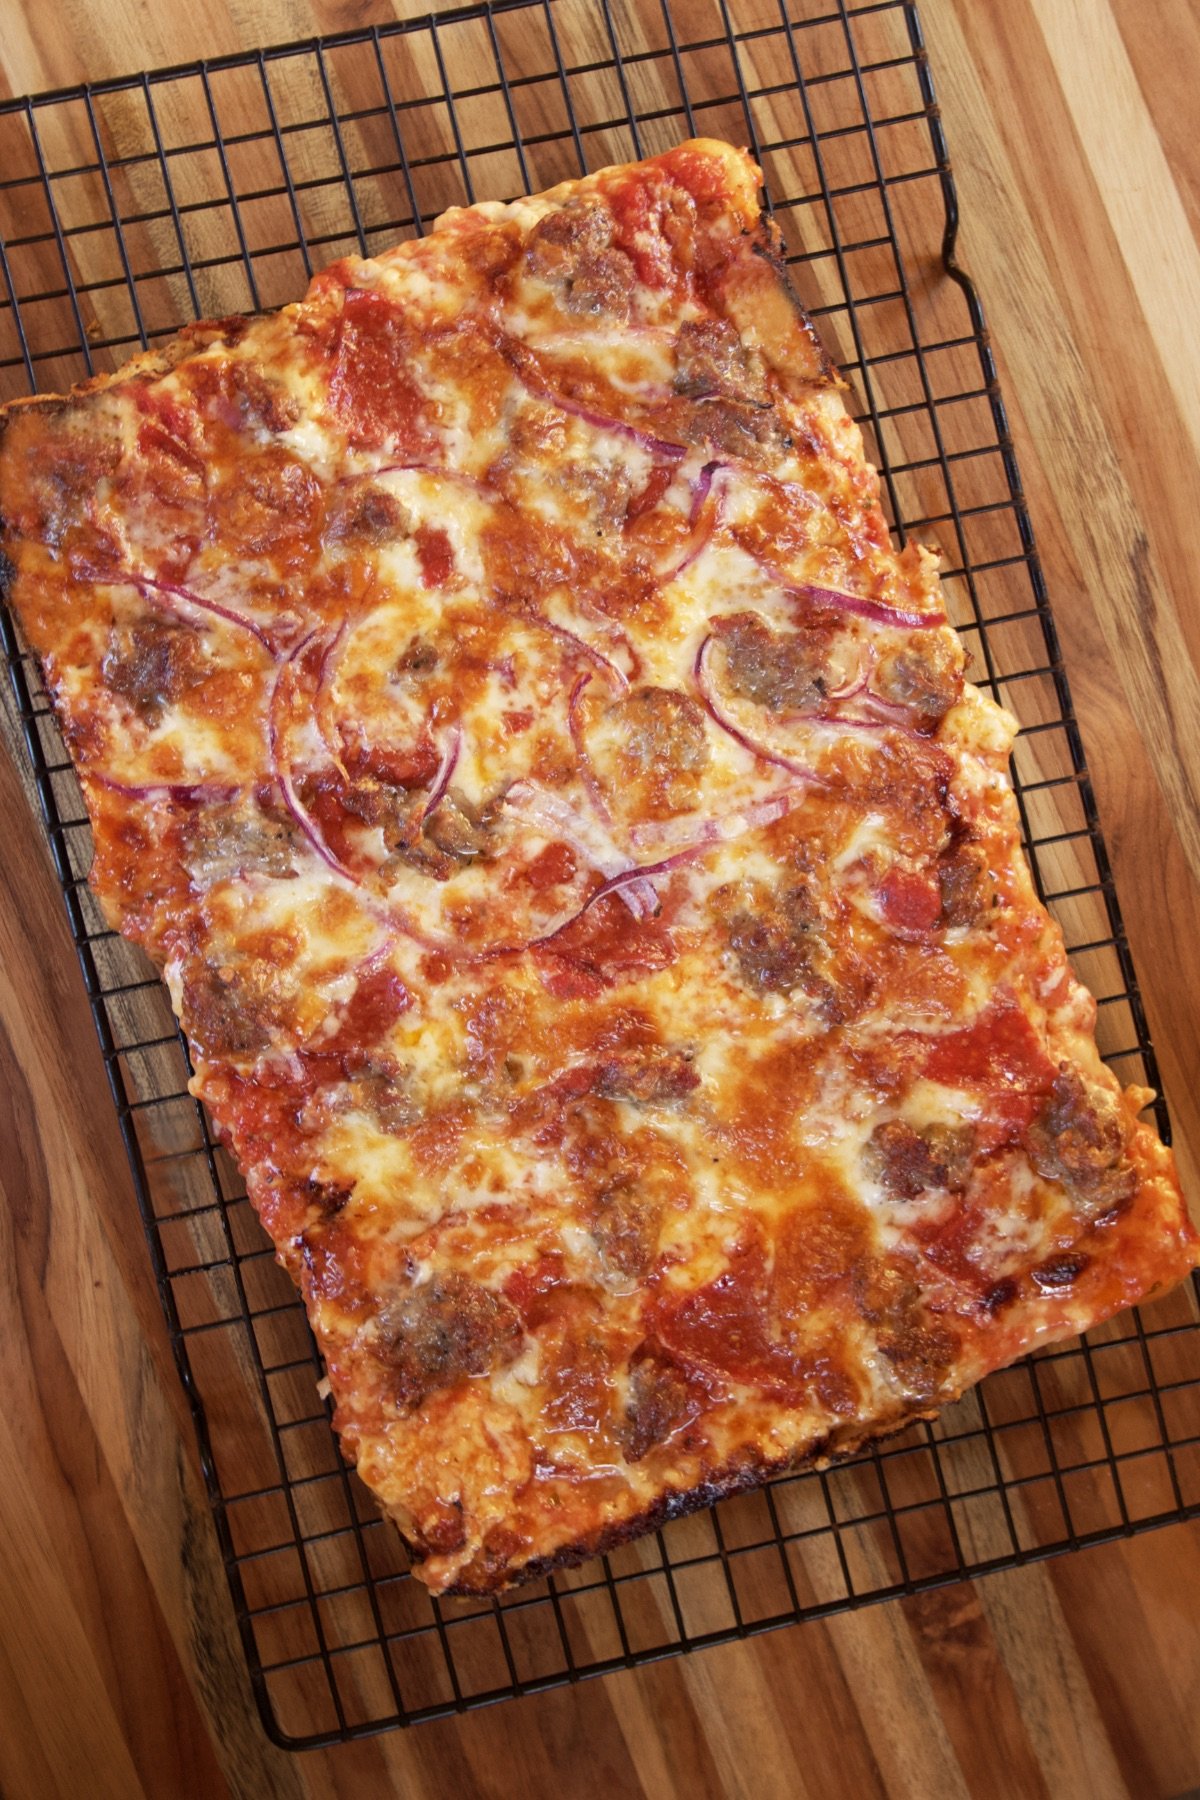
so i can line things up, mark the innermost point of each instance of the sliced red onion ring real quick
(532, 378)
(721, 718)
(703, 520)
(605, 664)
(451, 751)
(874, 610)
(281, 768)
(575, 726)
(326, 669)
(185, 793)
(176, 592)
(557, 818)
(838, 600)
(857, 682)
(621, 884)
(888, 712)
(718, 828)
(439, 471)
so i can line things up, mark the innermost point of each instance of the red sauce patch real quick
(404, 766)
(650, 493)
(377, 1002)
(603, 946)
(435, 555)
(637, 213)
(374, 401)
(703, 176)
(517, 721)
(551, 867)
(529, 1284)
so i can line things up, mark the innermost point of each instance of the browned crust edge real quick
(735, 1477)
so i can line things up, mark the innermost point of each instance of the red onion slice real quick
(588, 774)
(535, 382)
(451, 751)
(621, 884)
(718, 828)
(703, 520)
(439, 471)
(838, 600)
(604, 664)
(176, 592)
(873, 610)
(856, 684)
(716, 712)
(183, 793)
(326, 670)
(281, 768)
(554, 816)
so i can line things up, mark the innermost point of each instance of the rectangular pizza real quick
(591, 891)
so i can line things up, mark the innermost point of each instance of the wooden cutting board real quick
(1071, 126)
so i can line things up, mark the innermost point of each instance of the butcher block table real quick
(1071, 126)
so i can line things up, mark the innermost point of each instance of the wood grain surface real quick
(1071, 128)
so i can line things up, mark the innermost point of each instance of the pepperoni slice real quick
(1000, 1052)
(604, 946)
(910, 902)
(375, 402)
(725, 1328)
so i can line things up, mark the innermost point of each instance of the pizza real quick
(590, 889)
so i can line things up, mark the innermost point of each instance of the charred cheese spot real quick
(967, 885)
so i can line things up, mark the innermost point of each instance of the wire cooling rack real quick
(132, 205)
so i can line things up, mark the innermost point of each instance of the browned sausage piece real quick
(926, 677)
(659, 1403)
(663, 751)
(771, 939)
(908, 1163)
(572, 250)
(783, 671)
(710, 358)
(151, 664)
(965, 879)
(625, 1223)
(442, 1330)
(1078, 1138)
(647, 1077)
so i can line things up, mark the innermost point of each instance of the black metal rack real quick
(131, 205)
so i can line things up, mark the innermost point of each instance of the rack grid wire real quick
(132, 205)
